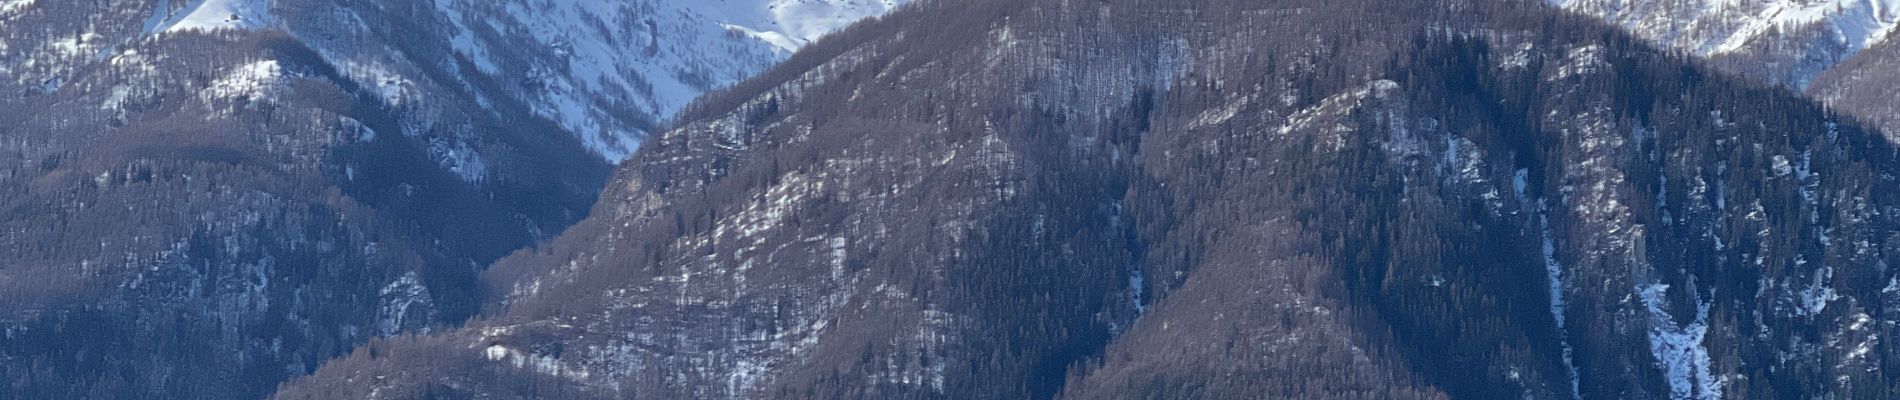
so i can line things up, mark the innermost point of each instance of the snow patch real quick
(1678, 348)
(261, 79)
(1816, 296)
(544, 364)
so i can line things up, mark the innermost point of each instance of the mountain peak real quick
(1721, 28)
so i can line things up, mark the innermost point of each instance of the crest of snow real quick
(810, 19)
(209, 15)
(790, 24)
(780, 41)
(1678, 348)
(257, 78)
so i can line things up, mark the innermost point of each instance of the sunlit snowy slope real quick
(650, 57)
(1807, 36)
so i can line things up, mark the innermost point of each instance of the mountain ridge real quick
(1797, 39)
(219, 195)
(961, 199)
(1108, 200)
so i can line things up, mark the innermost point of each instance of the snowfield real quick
(210, 15)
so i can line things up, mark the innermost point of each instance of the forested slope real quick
(1207, 199)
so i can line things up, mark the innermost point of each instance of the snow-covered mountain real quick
(281, 180)
(607, 71)
(1014, 199)
(1795, 39)
(644, 56)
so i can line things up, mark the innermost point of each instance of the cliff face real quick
(1205, 199)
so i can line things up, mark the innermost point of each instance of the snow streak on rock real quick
(1678, 348)
(1554, 269)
